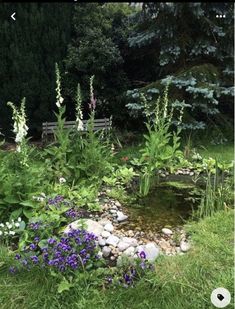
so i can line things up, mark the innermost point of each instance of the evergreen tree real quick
(194, 45)
(29, 48)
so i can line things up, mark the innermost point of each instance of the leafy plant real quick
(161, 146)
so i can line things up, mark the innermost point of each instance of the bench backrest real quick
(49, 127)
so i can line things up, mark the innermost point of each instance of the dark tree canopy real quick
(130, 48)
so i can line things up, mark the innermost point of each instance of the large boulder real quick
(89, 225)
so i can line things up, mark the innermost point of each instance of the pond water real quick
(165, 206)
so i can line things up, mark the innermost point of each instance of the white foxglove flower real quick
(17, 224)
(9, 226)
(2, 225)
(19, 219)
(7, 223)
(12, 233)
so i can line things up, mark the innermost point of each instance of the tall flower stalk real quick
(161, 145)
(20, 129)
(79, 114)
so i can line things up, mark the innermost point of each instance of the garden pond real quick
(169, 204)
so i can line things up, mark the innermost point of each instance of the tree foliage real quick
(29, 48)
(193, 46)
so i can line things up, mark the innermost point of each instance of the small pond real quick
(165, 206)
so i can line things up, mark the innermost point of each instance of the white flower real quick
(40, 199)
(19, 219)
(12, 233)
(43, 194)
(0, 233)
(17, 224)
(7, 223)
(5, 233)
(62, 180)
(80, 126)
(2, 225)
(9, 226)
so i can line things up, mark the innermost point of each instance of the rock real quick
(151, 251)
(105, 234)
(118, 204)
(106, 251)
(131, 241)
(89, 225)
(112, 240)
(129, 251)
(113, 211)
(121, 217)
(104, 222)
(123, 245)
(131, 233)
(184, 246)
(167, 232)
(139, 249)
(101, 242)
(109, 227)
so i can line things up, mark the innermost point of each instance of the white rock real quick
(105, 234)
(109, 227)
(118, 204)
(139, 249)
(113, 211)
(101, 242)
(112, 240)
(129, 251)
(184, 246)
(104, 222)
(151, 251)
(106, 251)
(123, 245)
(131, 241)
(167, 231)
(120, 216)
(89, 225)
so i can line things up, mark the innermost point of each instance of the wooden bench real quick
(48, 128)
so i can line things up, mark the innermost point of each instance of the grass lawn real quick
(184, 281)
(220, 152)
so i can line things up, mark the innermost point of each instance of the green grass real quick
(184, 281)
(220, 152)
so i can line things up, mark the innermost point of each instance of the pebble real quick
(129, 251)
(121, 217)
(106, 251)
(109, 227)
(112, 240)
(105, 234)
(101, 242)
(122, 245)
(184, 246)
(167, 232)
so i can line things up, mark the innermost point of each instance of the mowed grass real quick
(219, 152)
(184, 281)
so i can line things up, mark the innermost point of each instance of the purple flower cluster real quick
(34, 225)
(74, 213)
(132, 273)
(56, 200)
(76, 249)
